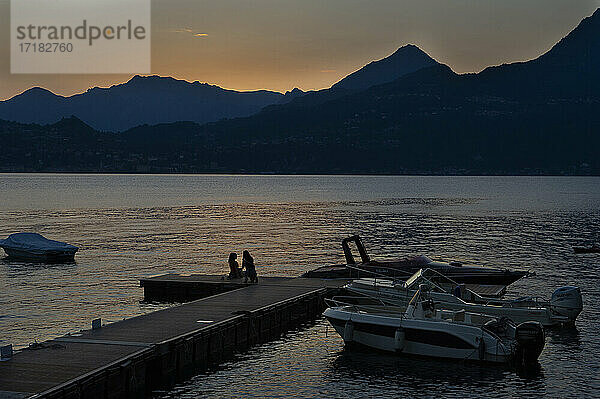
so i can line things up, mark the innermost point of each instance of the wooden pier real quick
(133, 357)
(182, 288)
(189, 287)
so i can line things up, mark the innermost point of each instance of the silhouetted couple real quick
(235, 271)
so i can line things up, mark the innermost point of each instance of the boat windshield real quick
(437, 282)
(431, 278)
(414, 278)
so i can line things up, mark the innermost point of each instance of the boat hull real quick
(465, 275)
(421, 338)
(517, 315)
(34, 247)
(403, 268)
(44, 257)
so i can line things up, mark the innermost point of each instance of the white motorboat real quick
(35, 247)
(426, 331)
(563, 308)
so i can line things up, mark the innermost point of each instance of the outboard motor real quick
(567, 301)
(530, 342)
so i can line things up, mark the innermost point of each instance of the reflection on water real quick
(133, 226)
(568, 336)
(26, 267)
(314, 363)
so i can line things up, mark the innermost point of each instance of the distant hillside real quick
(152, 99)
(141, 100)
(541, 116)
(571, 69)
(535, 117)
(405, 60)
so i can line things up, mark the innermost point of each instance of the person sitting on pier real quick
(248, 264)
(234, 267)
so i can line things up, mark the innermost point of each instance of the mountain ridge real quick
(121, 106)
(536, 117)
(404, 60)
(140, 100)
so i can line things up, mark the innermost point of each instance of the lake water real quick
(130, 226)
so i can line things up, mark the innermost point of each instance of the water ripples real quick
(120, 244)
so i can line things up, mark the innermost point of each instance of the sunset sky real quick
(310, 44)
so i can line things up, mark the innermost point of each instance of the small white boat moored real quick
(563, 308)
(425, 331)
(37, 248)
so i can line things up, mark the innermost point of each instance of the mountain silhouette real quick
(569, 70)
(141, 100)
(536, 117)
(155, 100)
(292, 95)
(405, 60)
(539, 116)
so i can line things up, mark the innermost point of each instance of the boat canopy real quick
(413, 261)
(33, 242)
